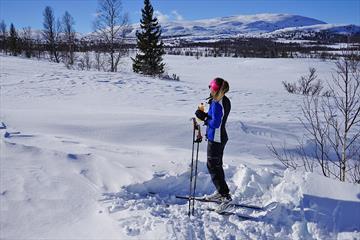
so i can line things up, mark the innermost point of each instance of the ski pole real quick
(192, 165)
(198, 139)
(195, 176)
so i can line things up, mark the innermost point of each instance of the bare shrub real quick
(290, 87)
(85, 62)
(332, 124)
(306, 85)
(173, 77)
(99, 61)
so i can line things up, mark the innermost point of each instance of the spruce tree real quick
(148, 60)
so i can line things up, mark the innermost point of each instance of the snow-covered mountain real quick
(248, 25)
(264, 25)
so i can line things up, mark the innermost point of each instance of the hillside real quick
(248, 25)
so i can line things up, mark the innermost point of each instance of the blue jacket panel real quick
(215, 114)
(217, 117)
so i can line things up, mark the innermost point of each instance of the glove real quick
(201, 115)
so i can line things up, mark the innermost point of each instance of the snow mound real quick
(298, 214)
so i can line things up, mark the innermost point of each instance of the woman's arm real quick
(215, 116)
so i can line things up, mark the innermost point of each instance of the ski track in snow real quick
(82, 150)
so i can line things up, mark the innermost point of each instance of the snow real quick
(256, 25)
(84, 148)
(337, 28)
(233, 25)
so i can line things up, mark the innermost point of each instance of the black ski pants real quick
(215, 153)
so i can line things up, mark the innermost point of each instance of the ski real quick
(238, 205)
(228, 213)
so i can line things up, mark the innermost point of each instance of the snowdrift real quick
(90, 155)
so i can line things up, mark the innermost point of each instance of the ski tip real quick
(271, 205)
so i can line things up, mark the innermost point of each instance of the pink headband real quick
(213, 85)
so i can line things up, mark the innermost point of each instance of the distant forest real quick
(317, 47)
(59, 42)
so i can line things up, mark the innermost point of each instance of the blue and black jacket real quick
(216, 120)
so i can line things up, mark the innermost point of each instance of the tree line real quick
(58, 42)
(244, 47)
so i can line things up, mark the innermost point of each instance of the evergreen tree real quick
(13, 40)
(149, 60)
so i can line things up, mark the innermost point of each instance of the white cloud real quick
(177, 16)
(96, 14)
(163, 18)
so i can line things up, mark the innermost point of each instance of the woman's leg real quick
(214, 164)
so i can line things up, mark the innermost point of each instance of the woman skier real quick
(215, 120)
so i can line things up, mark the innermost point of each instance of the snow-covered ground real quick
(86, 147)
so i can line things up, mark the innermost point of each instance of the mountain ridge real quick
(253, 25)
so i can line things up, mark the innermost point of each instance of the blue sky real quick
(29, 12)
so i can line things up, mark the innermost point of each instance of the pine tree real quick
(149, 60)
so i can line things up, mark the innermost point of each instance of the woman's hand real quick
(201, 115)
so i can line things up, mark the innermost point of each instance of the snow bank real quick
(80, 152)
